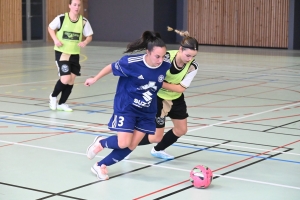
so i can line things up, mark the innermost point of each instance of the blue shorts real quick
(129, 123)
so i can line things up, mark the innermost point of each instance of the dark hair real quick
(148, 41)
(187, 42)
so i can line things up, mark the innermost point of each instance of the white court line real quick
(153, 165)
(203, 127)
(296, 154)
(252, 115)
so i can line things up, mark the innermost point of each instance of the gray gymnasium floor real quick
(244, 124)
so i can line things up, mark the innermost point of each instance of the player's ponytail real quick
(148, 40)
(187, 42)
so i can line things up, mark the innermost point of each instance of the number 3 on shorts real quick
(120, 121)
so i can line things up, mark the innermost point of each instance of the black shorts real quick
(67, 64)
(175, 109)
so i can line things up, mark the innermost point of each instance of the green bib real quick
(173, 79)
(70, 34)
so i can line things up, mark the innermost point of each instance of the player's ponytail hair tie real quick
(188, 42)
(148, 40)
(181, 33)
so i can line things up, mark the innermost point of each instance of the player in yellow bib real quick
(68, 41)
(170, 100)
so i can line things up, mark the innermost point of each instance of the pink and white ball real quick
(201, 176)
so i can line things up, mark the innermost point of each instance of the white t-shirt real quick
(56, 24)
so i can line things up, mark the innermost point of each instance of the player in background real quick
(67, 43)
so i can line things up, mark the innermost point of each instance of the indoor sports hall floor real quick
(244, 124)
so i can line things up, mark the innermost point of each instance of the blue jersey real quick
(138, 85)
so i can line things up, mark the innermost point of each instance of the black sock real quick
(65, 94)
(168, 139)
(144, 141)
(59, 86)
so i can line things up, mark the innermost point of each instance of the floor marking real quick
(230, 145)
(153, 165)
(252, 115)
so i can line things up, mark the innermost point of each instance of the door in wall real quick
(33, 20)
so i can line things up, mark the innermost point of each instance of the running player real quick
(68, 41)
(170, 100)
(141, 77)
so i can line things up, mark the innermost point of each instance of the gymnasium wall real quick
(10, 21)
(296, 26)
(257, 23)
(115, 20)
(260, 23)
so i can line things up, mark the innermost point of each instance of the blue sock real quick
(110, 142)
(115, 156)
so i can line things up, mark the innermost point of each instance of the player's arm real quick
(173, 87)
(54, 38)
(87, 40)
(106, 70)
(87, 32)
(53, 26)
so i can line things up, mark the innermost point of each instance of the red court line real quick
(157, 191)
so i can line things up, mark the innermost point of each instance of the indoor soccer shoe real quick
(52, 102)
(101, 172)
(64, 107)
(161, 154)
(94, 148)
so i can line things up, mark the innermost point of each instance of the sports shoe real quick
(161, 154)
(64, 107)
(101, 172)
(52, 102)
(94, 148)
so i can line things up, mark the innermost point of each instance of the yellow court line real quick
(84, 59)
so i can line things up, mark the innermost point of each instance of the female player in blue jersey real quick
(171, 101)
(135, 106)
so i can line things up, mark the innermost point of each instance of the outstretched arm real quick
(106, 70)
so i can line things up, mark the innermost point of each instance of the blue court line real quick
(29, 113)
(239, 154)
(181, 146)
(56, 129)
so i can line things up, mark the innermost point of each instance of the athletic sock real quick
(59, 86)
(168, 139)
(65, 94)
(145, 140)
(115, 156)
(110, 142)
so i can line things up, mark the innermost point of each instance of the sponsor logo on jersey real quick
(71, 35)
(147, 96)
(65, 68)
(151, 85)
